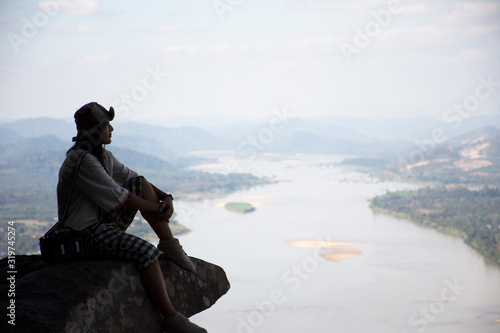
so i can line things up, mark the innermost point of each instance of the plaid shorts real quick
(109, 239)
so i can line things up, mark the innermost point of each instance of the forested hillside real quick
(461, 196)
(29, 172)
(473, 215)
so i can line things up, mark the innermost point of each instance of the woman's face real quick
(106, 134)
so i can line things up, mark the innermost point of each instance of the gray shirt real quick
(94, 189)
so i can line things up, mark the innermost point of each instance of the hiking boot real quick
(180, 324)
(172, 250)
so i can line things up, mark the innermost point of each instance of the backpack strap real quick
(61, 221)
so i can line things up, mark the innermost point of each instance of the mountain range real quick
(32, 151)
(332, 135)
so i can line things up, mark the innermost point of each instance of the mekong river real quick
(290, 270)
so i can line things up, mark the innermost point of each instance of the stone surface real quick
(101, 296)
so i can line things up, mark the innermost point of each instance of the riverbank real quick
(473, 216)
(277, 286)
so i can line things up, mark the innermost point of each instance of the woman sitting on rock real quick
(107, 191)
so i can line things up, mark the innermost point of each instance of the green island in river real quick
(239, 207)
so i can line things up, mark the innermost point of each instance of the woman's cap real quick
(90, 116)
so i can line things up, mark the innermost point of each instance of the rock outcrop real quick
(101, 296)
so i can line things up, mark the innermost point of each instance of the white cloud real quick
(335, 4)
(182, 50)
(458, 13)
(165, 28)
(471, 11)
(85, 28)
(64, 28)
(418, 8)
(417, 37)
(91, 60)
(472, 55)
(45, 62)
(73, 8)
(478, 31)
(317, 45)
(436, 37)
(461, 58)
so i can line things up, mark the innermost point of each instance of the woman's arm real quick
(159, 193)
(138, 203)
(166, 205)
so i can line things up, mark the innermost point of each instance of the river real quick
(397, 276)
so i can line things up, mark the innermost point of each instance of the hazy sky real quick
(154, 60)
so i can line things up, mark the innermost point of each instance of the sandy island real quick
(336, 250)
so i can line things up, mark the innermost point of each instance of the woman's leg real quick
(152, 279)
(169, 245)
(160, 227)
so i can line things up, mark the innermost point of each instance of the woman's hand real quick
(166, 208)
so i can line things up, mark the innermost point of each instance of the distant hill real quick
(300, 142)
(476, 135)
(36, 127)
(9, 135)
(152, 147)
(305, 142)
(29, 181)
(39, 163)
(462, 196)
(152, 139)
(330, 135)
(473, 159)
(20, 172)
(179, 140)
(140, 161)
(412, 129)
(335, 127)
(389, 128)
(14, 150)
(328, 130)
(492, 151)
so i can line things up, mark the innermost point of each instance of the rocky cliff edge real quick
(100, 296)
